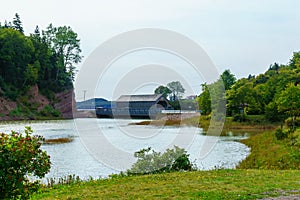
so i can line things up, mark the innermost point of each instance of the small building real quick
(135, 106)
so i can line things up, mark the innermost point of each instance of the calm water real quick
(105, 146)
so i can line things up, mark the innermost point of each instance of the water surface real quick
(104, 146)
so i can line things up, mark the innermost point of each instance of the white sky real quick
(241, 35)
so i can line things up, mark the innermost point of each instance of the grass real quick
(269, 153)
(216, 184)
(254, 125)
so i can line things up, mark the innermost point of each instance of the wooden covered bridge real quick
(135, 106)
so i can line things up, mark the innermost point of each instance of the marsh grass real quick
(58, 140)
(253, 126)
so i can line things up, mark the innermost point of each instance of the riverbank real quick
(258, 176)
(256, 124)
(215, 184)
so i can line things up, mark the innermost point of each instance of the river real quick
(104, 146)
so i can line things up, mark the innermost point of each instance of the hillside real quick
(37, 71)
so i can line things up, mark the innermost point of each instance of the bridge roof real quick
(136, 98)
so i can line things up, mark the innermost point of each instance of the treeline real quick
(46, 58)
(275, 94)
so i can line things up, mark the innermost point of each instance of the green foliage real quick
(176, 90)
(165, 91)
(18, 112)
(17, 24)
(274, 93)
(228, 78)
(46, 59)
(21, 156)
(186, 104)
(50, 111)
(15, 54)
(175, 104)
(175, 159)
(281, 134)
(204, 100)
(65, 43)
(289, 101)
(212, 100)
(239, 118)
(289, 122)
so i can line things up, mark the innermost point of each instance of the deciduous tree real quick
(165, 91)
(176, 89)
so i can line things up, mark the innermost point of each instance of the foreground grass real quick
(217, 184)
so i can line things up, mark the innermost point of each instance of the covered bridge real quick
(136, 106)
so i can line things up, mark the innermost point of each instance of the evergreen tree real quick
(37, 31)
(17, 24)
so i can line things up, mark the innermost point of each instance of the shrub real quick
(175, 159)
(289, 122)
(280, 134)
(239, 118)
(50, 111)
(20, 156)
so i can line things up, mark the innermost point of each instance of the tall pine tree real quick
(17, 24)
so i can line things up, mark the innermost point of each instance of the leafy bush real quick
(175, 159)
(239, 118)
(20, 156)
(280, 134)
(289, 122)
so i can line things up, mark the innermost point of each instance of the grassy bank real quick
(255, 124)
(220, 184)
(269, 153)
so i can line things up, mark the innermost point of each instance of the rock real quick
(66, 103)
(35, 97)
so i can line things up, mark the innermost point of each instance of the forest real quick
(274, 94)
(45, 58)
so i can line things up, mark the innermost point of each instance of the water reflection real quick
(75, 158)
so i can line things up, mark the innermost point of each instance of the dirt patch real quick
(34, 96)
(292, 197)
(66, 104)
(6, 106)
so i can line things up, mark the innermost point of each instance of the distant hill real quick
(93, 103)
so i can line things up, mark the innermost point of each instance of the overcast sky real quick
(241, 35)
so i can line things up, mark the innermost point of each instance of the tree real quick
(165, 91)
(31, 73)
(228, 79)
(241, 97)
(66, 45)
(37, 32)
(204, 100)
(176, 89)
(289, 101)
(15, 54)
(20, 156)
(17, 24)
